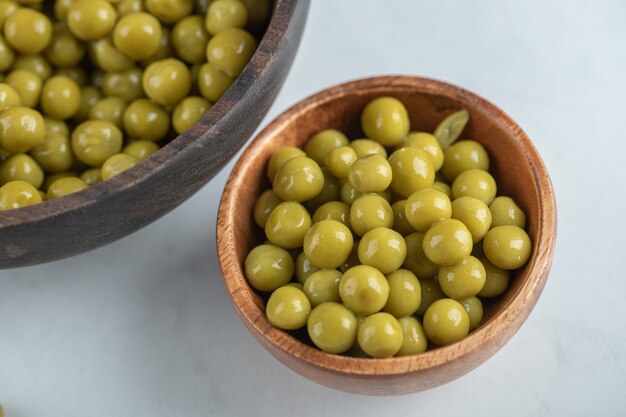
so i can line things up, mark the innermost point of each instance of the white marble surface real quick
(143, 327)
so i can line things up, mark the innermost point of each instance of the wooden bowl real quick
(519, 172)
(114, 208)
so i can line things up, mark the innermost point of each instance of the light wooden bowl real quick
(112, 209)
(517, 167)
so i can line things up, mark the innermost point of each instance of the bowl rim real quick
(513, 314)
(181, 145)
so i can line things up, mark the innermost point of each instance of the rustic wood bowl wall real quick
(129, 201)
(518, 169)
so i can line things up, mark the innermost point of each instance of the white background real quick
(143, 327)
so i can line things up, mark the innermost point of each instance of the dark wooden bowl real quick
(517, 167)
(114, 208)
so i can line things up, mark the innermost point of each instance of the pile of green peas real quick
(384, 245)
(89, 88)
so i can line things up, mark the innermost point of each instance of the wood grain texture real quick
(129, 201)
(517, 167)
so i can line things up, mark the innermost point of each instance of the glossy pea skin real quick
(164, 50)
(400, 223)
(288, 308)
(52, 178)
(298, 179)
(416, 260)
(167, 81)
(7, 55)
(137, 35)
(380, 335)
(462, 280)
(91, 176)
(231, 50)
(333, 210)
(383, 249)
(27, 31)
(54, 153)
(364, 289)
(412, 171)
(287, 225)
(496, 280)
(17, 194)
(268, 267)
(110, 109)
(425, 207)
(146, 120)
(141, 149)
(327, 243)
(348, 194)
(446, 322)
(188, 111)
(474, 308)
(320, 144)
(189, 39)
(474, 214)
(431, 292)
(65, 186)
(427, 143)
(225, 14)
(353, 258)
(36, 64)
(414, 339)
(8, 97)
(213, 82)
(27, 84)
(60, 97)
(339, 160)
(124, 84)
(64, 50)
(94, 141)
(369, 212)
(7, 8)
(323, 286)
(169, 11)
(364, 147)
(56, 126)
(90, 20)
(447, 242)
(264, 205)
(370, 174)
(475, 183)
(385, 120)
(279, 157)
(116, 164)
(89, 96)
(507, 247)
(304, 268)
(505, 211)
(405, 293)
(21, 129)
(332, 327)
(464, 155)
(107, 57)
(330, 191)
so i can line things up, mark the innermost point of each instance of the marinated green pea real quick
(474, 308)
(17, 194)
(505, 211)
(281, 156)
(380, 335)
(65, 186)
(34, 63)
(427, 143)
(304, 268)
(188, 112)
(332, 327)
(464, 155)
(117, 164)
(462, 280)
(431, 292)
(446, 322)
(231, 50)
(268, 267)
(56, 126)
(28, 31)
(364, 147)
(474, 214)
(287, 225)
(61, 7)
(296, 285)
(370, 174)
(21, 167)
(447, 242)
(64, 50)
(110, 109)
(369, 212)
(400, 223)
(288, 308)
(164, 51)
(339, 160)
(348, 194)
(353, 258)
(414, 339)
(137, 35)
(125, 7)
(329, 192)
(95, 141)
(169, 11)
(213, 82)
(91, 176)
(8, 97)
(7, 56)
(60, 97)
(91, 19)
(383, 249)
(76, 74)
(21, 129)
(475, 183)
(385, 120)
(426, 207)
(412, 171)
(225, 14)
(333, 210)
(54, 154)
(405, 293)
(167, 81)
(416, 260)
(7, 8)
(146, 120)
(89, 96)
(327, 243)
(323, 286)
(507, 247)
(124, 84)
(298, 179)
(496, 280)
(323, 142)
(28, 86)
(106, 56)
(264, 205)
(52, 178)
(189, 39)
(364, 289)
